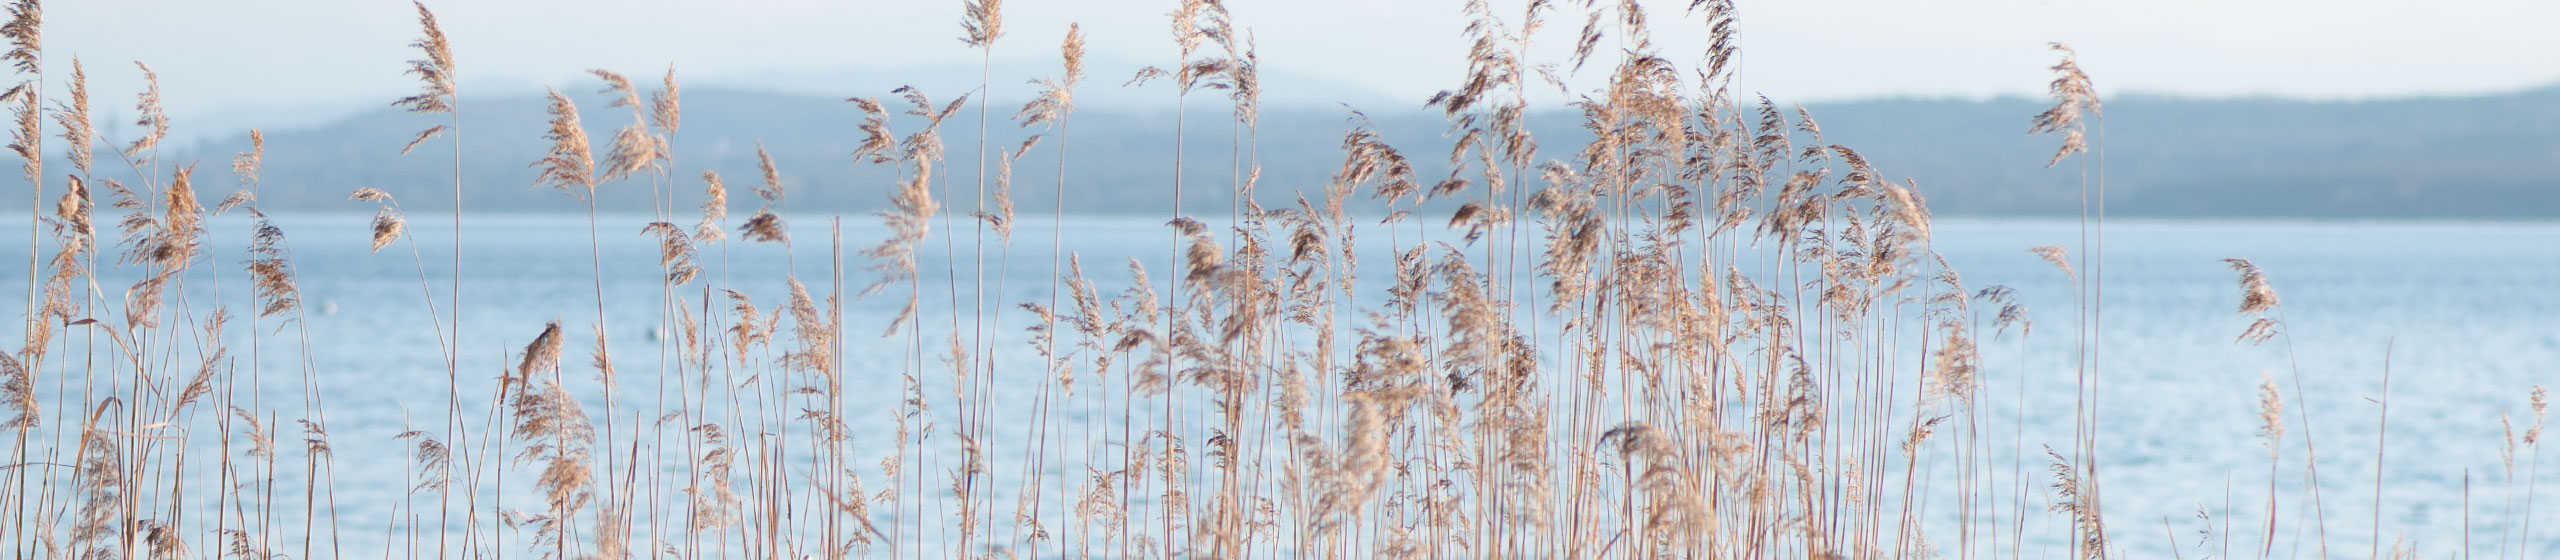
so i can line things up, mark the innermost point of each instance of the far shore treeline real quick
(2484, 156)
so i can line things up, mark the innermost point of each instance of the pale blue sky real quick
(283, 62)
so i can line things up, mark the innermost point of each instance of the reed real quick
(438, 94)
(1707, 332)
(25, 34)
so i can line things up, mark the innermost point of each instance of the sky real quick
(282, 63)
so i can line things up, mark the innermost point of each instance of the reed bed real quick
(1707, 332)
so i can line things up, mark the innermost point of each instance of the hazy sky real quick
(286, 62)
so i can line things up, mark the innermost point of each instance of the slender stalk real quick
(2381, 442)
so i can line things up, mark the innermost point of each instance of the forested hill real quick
(2486, 156)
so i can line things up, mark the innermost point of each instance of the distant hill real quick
(2487, 156)
(2484, 156)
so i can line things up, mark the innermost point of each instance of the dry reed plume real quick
(1706, 332)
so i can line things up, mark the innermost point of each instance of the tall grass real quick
(1708, 332)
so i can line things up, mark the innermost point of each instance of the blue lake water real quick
(2467, 311)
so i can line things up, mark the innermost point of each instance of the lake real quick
(2466, 311)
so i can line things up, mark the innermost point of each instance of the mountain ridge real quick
(2450, 156)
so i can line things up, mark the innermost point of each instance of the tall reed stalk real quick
(1705, 331)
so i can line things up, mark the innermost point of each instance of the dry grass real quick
(1732, 335)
